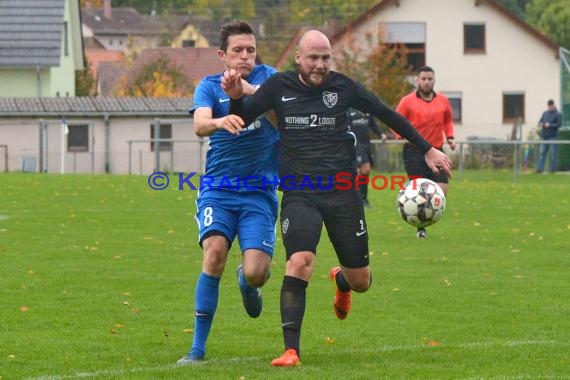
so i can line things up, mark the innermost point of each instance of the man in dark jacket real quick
(549, 122)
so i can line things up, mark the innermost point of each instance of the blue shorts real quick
(249, 215)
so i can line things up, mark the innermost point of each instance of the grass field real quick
(98, 276)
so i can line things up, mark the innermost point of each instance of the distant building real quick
(99, 135)
(496, 69)
(41, 47)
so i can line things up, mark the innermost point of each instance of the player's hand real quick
(451, 143)
(248, 89)
(231, 123)
(231, 84)
(438, 161)
(383, 137)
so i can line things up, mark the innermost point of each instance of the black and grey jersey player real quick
(316, 139)
(311, 107)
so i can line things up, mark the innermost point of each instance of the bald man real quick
(318, 174)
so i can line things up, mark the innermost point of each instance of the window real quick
(78, 138)
(65, 39)
(413, 36)
(455, 102)
(513, 107)
(416, 56)
(474, 38)
(165, 132)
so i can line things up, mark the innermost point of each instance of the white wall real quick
(22, 138)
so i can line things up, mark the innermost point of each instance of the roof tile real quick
(30, 32)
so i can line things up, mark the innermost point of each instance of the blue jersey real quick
(248, 161)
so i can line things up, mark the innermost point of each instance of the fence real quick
(173, 158)
(4, 157)
(477, 154)
(99, 145)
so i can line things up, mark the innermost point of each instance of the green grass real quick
(98, 275)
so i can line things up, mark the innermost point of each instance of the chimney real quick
(107, 8)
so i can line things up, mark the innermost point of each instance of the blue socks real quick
(206, 302)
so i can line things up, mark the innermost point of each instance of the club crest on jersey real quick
(330, 98)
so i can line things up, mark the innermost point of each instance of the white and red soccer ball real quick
(421, 202)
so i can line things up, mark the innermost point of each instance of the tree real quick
(518, 7)
(158, 79)
(91, 3)
(551, 17)
(84, 81)
(321, 11)
(224, 9)
(156, 6)
(381, 67)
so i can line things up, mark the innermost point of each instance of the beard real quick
(318, 81)
(426, 91)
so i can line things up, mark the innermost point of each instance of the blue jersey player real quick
(239, 197)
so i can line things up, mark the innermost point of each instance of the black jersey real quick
(361, 124)
(316, 140)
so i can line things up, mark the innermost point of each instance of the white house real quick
(495, 68)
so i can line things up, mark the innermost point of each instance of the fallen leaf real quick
(329, 340)
(188, 331)
(24, 309)
(433, 343)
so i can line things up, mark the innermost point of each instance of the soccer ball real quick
(421, 202)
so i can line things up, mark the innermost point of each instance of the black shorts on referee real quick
(342, 212)
(415, 164)
(363, 154)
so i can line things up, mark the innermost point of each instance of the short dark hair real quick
(233, 28)
(425, 69)
(550, 102)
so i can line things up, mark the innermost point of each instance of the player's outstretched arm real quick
(438, 161)
(206, 125)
